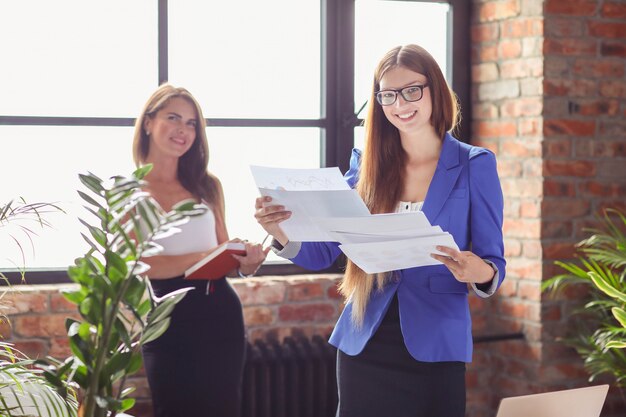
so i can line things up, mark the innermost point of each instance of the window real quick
(280, 82)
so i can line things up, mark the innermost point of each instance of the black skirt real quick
(385, 380)
(195, 368)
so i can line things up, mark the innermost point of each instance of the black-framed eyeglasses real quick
(409, 93)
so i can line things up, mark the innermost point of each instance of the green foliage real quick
(601, 337)
(118, 312)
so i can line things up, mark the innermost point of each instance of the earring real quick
(147, 133)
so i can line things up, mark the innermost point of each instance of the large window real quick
(281, 83)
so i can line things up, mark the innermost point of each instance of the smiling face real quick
(172, 130)
(409, 117)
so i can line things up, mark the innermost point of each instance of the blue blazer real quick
(465, 199)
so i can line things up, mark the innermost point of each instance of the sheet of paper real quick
(307, 205)
(386, 256)
(375, 223)
(349, 237)
(296, 179)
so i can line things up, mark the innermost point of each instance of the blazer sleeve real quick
(486, 209)
(320, 255)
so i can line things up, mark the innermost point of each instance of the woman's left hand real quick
(254, 257)
(464, 265)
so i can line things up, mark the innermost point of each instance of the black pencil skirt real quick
(195, 368)
(385, 380)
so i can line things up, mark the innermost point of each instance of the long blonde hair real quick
(192, 166)
(381, 176)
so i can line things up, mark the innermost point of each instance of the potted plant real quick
(601, 338)
(118, 311)
(24, 391)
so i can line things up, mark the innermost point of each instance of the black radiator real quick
(295, 378)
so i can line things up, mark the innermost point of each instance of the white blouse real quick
(196, 235)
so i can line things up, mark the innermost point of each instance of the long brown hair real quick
(381, 176)
(192, 166)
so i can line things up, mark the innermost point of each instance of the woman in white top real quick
(195, 368)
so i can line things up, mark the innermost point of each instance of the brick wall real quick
(274, 307)
(549, 97)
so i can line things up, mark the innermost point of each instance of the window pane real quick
(41, 164)
(248, 59)
(382, 25)
(233, 150)
(76, 57)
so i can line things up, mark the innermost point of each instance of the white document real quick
(307, 205)
(350, 237)
(376, 223)
(374, 257)
(291, 179)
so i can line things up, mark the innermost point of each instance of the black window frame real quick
(337, 118)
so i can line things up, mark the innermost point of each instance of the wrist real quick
(242, 275)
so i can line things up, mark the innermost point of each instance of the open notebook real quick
(578, 402)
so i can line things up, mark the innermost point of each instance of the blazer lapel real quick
(447, 171)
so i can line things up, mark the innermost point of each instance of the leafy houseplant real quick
(23, 388)
(118, 311)
(602, 269)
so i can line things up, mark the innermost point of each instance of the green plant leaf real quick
(606, 288)
(142, 171)
(153, 332)
(620, 315)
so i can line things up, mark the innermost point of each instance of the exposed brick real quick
(509, 168)
(305, 291)
(530, 126)
(611, 48)
(556, 229)
(559, 188)
(33, 349)
(530, 209)
(498, 90)
(601, 148)
(615, 10)
(495, 129)
(602, 189)
(533, 47)
(613, 88)
(512, 247)
(512, 208)
(5, 329)
(563, 28)
(522, 228)
(58, 303)
(525, 188)
(598, 68)
(523, 27)
(613, 129)
(570, 47)
(558, 250)
(485, 53)
(609, 30)
(522, 68)
(306, 312)
(520, 148)
(485, 32)
(555, 127)
(481, 111)
(527, 106)
(37, 326)
(595, 107)
(532, 167)
(333, 292)
(60, 348)
(557, 147)
(565, 208)
(571, 7)
(485, 72)
(258, 315)
(508, 49)
(531, 249)
(551, 313)
(556, 67)
(569, 87)
(497, 10)
(260, 291)
(531, 87)
(520, 309)
(27, 302)
(612, 170)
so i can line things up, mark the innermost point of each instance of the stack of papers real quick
(325, 209)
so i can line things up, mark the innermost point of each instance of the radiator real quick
(295, 378)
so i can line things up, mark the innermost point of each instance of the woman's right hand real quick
(269, 216)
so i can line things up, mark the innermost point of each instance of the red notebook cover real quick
(218, 263)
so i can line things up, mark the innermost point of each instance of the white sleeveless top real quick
(197, 235)
(404, 206)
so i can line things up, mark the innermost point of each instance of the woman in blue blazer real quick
(404, 336)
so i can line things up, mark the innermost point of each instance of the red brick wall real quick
(549, 97)
(273, 307)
